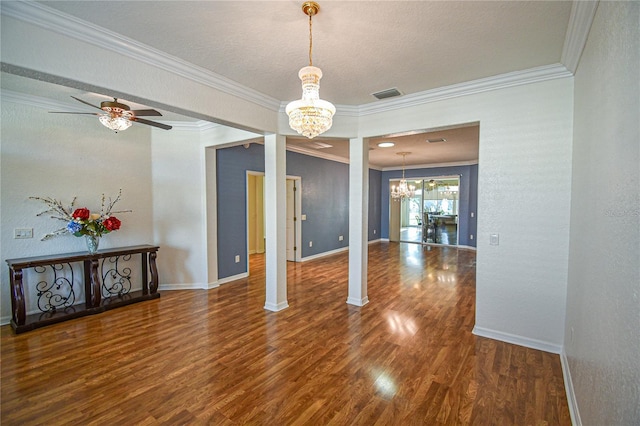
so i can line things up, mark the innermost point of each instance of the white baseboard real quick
(232, 278)
(277, 307)
(517, 340)
(568, 388)
(5, 320)
(357, 302)
(323, 254)
(376, 241)
(188, 286)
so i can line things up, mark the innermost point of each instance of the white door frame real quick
(298, 209)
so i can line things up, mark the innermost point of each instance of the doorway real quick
(430, 215)
(256, 218)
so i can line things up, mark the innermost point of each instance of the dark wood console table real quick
(107, 284)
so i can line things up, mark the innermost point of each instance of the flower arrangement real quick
(81, 222)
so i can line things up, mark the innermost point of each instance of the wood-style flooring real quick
(217, 357)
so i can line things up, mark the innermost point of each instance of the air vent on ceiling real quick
(389, 93)
(436, 140)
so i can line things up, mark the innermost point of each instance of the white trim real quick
(324, 254)
(568, 387)
(317, 153)
(582, 14)
(466, 247)
(357, 302)
(188, 286)
(5, 320)
(432, 166)
(517, 78)
(376, 241)
(517, 340)
(232, 278)
(54, 20)
(275, 308)
(70, 26)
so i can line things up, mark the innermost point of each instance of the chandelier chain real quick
(310, 39)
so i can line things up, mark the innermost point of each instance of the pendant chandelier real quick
(310, 116)
(403, 190)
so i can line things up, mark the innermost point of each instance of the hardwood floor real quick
(217, 357)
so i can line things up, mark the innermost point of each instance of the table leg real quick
(17, 297)
(153, 285)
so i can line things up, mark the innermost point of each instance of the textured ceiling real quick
(362, 47)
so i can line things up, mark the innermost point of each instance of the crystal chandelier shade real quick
(116, 119)
(310, 116)
(403, 190)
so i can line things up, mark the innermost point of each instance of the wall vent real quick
(436, 140)
(389, 93)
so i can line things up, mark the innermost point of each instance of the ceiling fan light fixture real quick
(310, 116)
(116, 118)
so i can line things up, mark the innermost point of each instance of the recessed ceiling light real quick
(386, 144)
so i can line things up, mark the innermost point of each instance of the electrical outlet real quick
(472, 214)
(237, 258)
(471, 237)
(494, 239)
(303, 217)
(22, 233)
(310, 243)
(340, 238)
(374, 232)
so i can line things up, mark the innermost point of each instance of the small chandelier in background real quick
(310, 116)
(403, 190)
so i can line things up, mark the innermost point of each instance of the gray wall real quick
(325, 202)
(602, 337)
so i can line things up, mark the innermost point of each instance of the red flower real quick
(82, 214)
(112, 223)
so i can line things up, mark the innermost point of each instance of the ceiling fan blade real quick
(67, 112)
(86, 103)
(152, 123)
(146, 112)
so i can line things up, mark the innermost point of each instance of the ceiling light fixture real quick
(117, 116)
(310, 116)
(386, 144)
(403, 190)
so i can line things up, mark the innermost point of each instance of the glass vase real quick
(93, 241)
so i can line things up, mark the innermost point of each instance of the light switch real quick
(494, 239)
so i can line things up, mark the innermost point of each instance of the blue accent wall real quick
(231, 166)
(468, 197)
(325, 202)
(375, 203)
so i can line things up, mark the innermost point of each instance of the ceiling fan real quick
(118, 116)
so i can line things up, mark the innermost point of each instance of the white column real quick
(275, 203)
(211, 217)
(358, 221)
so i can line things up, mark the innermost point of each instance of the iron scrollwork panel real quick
(57, 292)
(116, 277)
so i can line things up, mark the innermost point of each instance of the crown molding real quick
(53, 20)
(432, 165)
(314, 153)
(516, 78)
(582, 14)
